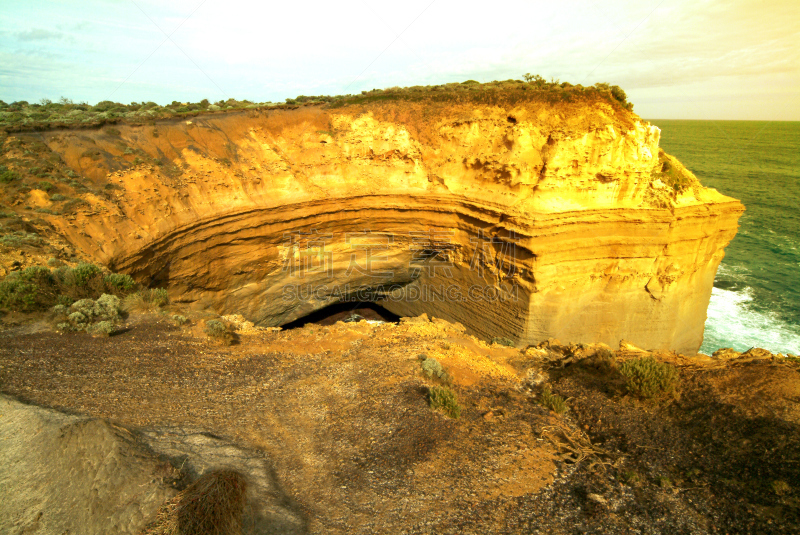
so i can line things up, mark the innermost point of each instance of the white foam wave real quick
(731, 323)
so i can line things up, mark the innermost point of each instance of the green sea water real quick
(756, 295)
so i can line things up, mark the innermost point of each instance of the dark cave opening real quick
(345, 311)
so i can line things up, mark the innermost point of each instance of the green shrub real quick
(102, 328)
(38, 288)
(84, 273)
(159, 296)
(7, 176)
(646, 377)
(552, 401)
(78, 320)
(220, 332)
(94, 316)
(503, 341)
(444, 399)
(432, 369)
(20, 238)
(107, 308)
(65, 300)
(119, 283)
(45, 186)
(17, 295)
(177, 319)
(672, 176)
(57, 197)
(28, 290)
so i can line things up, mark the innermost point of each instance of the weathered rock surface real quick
(528, 221)
(74, 474)
(70, 474)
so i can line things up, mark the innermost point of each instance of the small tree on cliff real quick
(533, 78)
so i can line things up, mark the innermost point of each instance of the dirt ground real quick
(341, 411)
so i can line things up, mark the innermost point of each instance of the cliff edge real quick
(526, 219)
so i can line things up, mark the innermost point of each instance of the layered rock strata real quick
(526, 221)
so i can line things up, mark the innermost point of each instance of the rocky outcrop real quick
(529, 221)
(74, 474)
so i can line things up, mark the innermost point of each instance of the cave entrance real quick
(345, 311)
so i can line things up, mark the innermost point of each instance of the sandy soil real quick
(341, 412)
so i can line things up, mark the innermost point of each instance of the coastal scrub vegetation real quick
(554, 402)
(647, 378)
(98, 317)
(443, 398)
(670, 175)
(146, 300)
(220, 332)
(46, 114)
(39, 288)
(432, 369)
(22, 115)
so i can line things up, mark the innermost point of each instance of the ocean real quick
(756, 297)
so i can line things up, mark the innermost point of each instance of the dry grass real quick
(212, 505)
(144, 301)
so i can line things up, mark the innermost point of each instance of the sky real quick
(676, 59)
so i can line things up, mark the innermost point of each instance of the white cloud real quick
(270, 51)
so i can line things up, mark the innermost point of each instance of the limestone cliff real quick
(528, 220)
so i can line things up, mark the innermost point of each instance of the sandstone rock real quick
(422, 318)
(554, 225)
(449, 326)
(67, 474)
(726, 353)
(625, 345)
(757, 352)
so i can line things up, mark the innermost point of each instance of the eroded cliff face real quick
(529, 221)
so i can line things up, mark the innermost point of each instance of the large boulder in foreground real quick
(75, 474)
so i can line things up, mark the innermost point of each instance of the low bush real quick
(177, 319)
(444, 399)
(28, 290)
(149, 300)
(7, 176)
(646, 377)
(120, 283)
(554, 402)
(432, 369)
(20, 238)
(39, 288)
(503, 341)
(98, 317)
(220, 332)
(84, 273)
(672, 176)
(102, 328)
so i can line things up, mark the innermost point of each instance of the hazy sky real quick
(700, 59)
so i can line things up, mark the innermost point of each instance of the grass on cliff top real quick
(46, 114)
